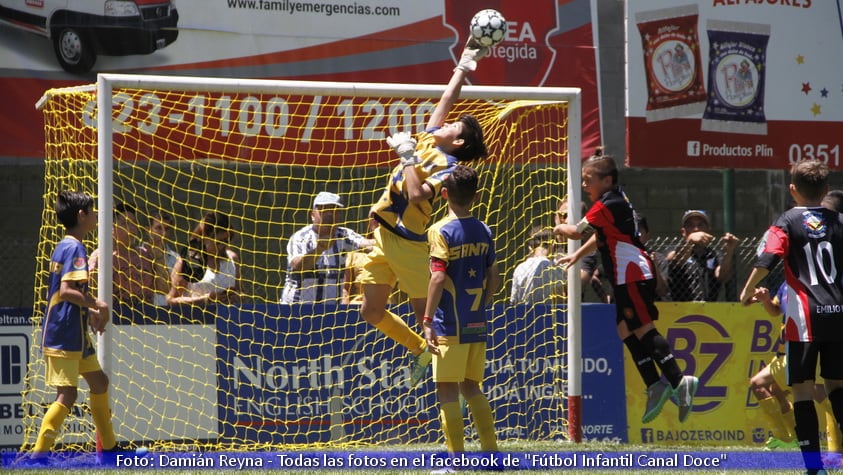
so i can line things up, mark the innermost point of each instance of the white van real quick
(81, 29)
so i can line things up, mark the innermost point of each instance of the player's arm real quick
(492, 284)
(72, 291)
(434, 294)
(749, 294)
(574, 231)
(586, 249)
(471, 54)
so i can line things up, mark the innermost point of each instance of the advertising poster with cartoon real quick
(734, 84)
(57, 43)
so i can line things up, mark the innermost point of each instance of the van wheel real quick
(74, 50)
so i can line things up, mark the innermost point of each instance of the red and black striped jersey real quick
(810, 242)
(624, 257)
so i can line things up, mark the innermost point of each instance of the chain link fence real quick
(744, 259)
(18, 254)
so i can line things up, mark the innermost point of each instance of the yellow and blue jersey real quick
(466, 245)
(65, 332)
(394, 210)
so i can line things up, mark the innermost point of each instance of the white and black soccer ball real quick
(488, 27)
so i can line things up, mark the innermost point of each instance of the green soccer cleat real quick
(419, 366)
(774, 443)
(657, 395)
(685, 396)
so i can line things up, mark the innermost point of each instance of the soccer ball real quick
(488, 27)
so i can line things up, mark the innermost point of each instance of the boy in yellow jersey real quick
(404, 210)
(66, 343)
(464, 279)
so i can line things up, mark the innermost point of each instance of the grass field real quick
(506, 446)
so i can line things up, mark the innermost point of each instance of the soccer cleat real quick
(685, 396)
(774, 443)
(34, 460)
(657, 395)
(419, 366)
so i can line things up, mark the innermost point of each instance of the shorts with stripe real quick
(635, 303)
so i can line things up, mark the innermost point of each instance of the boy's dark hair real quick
(193, 256)
(472, 134)
(122, 209)
(810, 179)
(539, 237)
(212, 222)
(602, 165)
(68, 205)
(834, 200)
(461, 184)
(164, 218)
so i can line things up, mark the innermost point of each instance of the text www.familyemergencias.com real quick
(321, 8)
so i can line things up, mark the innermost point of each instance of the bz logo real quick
(704, 350)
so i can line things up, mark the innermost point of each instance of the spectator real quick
(159, 256)
(316, 254)
(696, 270)
(537, 280)
(132, 279)
(208, 270)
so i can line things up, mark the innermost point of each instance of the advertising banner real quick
(728, 84)
(724, 345)
(15, 340)
(397, 41)
(355, 386)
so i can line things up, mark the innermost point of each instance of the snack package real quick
(737, 67)
(672, 62)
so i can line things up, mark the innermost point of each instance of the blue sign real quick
(306, 374)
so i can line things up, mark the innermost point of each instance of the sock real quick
(101, 414)
(53, 420)
(790, 421)
(807, 433)
(453, 425)
(835, 399)
(484, 422)
(658, 348)
(832, 431)
(643, 361)
(396, 329)
(770, 407)
(822, 423)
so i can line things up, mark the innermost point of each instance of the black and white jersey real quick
(810, 241)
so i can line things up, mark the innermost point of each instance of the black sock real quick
(807, 433)
(643, 361)
(658, 348)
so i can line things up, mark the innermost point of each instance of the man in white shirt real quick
(316, 254)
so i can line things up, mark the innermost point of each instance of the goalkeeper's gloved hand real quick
(471, 54)
(405, 146)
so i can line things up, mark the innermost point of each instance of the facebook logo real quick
(14, 355)
(647, 436)
(694, 148)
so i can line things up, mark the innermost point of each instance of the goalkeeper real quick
(405, 208)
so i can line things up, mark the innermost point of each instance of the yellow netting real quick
(258, 374)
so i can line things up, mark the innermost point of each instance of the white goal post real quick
(108, 121)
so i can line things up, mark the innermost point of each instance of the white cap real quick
(326, 198)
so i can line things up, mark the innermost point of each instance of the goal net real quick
(257, 374)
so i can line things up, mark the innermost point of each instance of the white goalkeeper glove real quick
(471, 54)
(405, 146)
